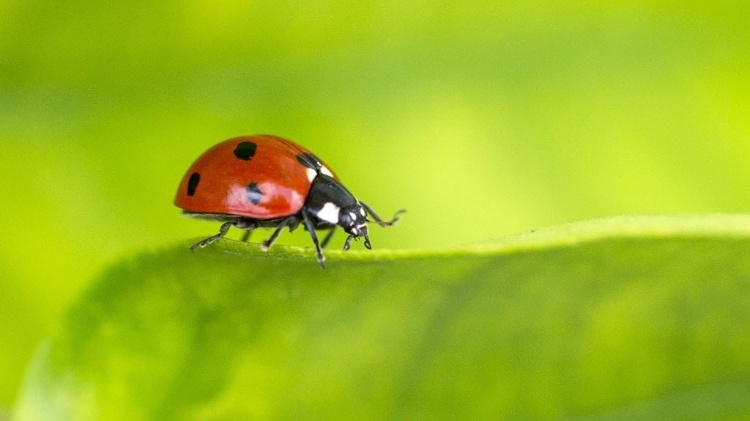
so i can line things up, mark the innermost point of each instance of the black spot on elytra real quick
(195, 178)
(245, 150)
(254, 195)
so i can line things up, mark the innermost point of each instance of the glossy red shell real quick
(274, 171)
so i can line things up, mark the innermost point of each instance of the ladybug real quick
(266, 181)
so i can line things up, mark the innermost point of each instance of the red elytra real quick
(226, 170)
(267, 181)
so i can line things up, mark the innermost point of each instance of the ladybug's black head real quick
(354, 221)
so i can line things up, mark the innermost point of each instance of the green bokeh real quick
(482, 119)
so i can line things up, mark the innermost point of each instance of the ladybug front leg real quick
(310, 226)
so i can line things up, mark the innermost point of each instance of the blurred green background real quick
(481, 118)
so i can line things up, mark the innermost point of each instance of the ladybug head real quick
(353, 219)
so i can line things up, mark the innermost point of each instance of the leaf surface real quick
(622, 318)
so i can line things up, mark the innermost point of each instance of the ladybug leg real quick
(328, 237)
(349, 239)
(222, 232)
(310, 226)
(380, 220)
(288, 221)
(248, 226)
(293, 226)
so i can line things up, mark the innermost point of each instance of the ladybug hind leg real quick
(206, 241)
(244, 224)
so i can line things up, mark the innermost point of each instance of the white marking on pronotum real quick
(362, 211)
(311, 174)
(329, 213)
(353, 216)
(326, 171)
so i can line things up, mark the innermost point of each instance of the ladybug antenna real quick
(377, 219)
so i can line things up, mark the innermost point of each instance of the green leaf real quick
(624, 318)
